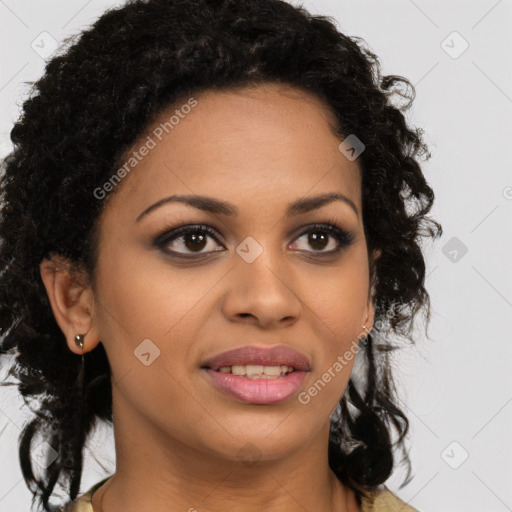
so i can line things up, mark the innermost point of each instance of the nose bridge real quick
(261, 284)
(261, 268)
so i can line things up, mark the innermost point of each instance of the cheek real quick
(140, 298)
(338, 298)
(147, 296)
(145, 319)
(337, 308)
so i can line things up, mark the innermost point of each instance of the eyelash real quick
(343, 237)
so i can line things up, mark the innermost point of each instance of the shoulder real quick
(384, 501)
(83, 503)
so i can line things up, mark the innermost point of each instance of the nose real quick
(262, 293)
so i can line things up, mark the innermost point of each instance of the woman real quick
(211, 226)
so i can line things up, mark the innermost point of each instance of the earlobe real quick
(71, 300)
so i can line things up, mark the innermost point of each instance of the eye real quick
(189, 240)
(325, 239)
(193, 240)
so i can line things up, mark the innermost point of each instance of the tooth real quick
(254, 369)
(272, 370)
(290, 368)
(225, 369)
(238, 369)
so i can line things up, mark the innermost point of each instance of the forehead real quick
(263, 143)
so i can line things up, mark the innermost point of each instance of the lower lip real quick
(258, 391)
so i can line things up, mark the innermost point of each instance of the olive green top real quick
(383, 501)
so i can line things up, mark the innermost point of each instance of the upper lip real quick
(252, 354)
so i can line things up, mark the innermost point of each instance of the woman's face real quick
(261, 276)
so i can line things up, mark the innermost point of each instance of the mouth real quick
(258, 375)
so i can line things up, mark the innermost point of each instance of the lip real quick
(266, 356)
(257, 391)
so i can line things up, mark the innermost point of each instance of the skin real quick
(178, 439)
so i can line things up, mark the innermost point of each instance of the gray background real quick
(456, 386)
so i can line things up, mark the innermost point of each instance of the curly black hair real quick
(97, 95)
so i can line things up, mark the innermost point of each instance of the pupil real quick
(318, 241)
(197, 241)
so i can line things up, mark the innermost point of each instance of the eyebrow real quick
(215, 206)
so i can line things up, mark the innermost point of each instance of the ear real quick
(71, 300)
(369, 314)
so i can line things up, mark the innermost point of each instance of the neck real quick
(159, 473)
